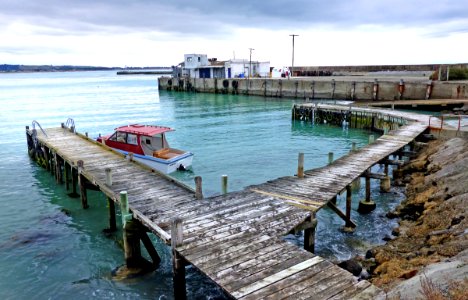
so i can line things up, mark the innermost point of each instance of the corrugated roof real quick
(148, 130)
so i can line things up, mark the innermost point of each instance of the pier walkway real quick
(237, 239)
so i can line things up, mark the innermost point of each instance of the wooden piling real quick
(58, 169)
(178, 263)
(66, 173)
(385, 184)
(224, 184)
(74, 178)
(198, 188)
(47, 158)
(132, 248)
(309, 234)
(348, 223)
(300, 165)
(150, 248)
(82, 184)
(366, 205)
(330, 158)
(110, 202)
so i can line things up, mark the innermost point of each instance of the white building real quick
(240, 68)
(199, 66)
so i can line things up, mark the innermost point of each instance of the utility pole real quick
(250, 64)
(292, 65)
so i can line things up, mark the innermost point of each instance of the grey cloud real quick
(215, 18)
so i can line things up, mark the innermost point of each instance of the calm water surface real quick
(52, 249)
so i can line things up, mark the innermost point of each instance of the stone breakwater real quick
(433, 227)
(349, 88)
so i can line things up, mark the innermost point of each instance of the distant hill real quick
(5, 68)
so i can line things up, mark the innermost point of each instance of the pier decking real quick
(236, 239)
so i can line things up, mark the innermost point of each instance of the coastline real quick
(429, 248)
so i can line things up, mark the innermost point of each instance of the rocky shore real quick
(428, 254)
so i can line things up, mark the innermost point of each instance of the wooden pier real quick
(236, 239)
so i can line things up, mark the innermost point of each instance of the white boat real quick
(149, 146)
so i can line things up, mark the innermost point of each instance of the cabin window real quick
(121, 137)
(132, 139)
(189, 59)
(199, 59)
(148, 142)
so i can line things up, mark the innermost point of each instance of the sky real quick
(138, 33)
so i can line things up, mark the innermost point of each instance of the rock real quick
(396, 231)
(457, 220)
(409, 274)
(352, 266)
(369, 254)
(387, 238)
(392, 215)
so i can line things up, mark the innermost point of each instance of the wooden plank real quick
(286, 283)
(276, 277)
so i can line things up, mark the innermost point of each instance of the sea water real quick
(50, 248)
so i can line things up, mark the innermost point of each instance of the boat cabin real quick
(138, 139)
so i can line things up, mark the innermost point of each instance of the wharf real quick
(235, 239)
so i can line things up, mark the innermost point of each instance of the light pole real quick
(292, 66)
(250, 63)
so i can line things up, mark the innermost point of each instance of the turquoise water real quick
(52, 249)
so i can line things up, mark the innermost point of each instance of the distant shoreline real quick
(7, 68)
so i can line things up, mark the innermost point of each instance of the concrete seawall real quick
(322, 88)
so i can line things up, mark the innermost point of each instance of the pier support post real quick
(330, 158)
(356, 184)
(198, 188)
(66, 173)
(47, 158)
(178, 262)
(300, 165)
(224, 184)
(131, 239)
(82, 184)
(58, 169)
(385, 184)
(348, 223)
(74, 179)
(366, 205)
(309, 234)
(110, 203)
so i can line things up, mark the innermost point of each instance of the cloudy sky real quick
(158, 33)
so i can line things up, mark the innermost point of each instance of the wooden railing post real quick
(178, 263)
(300, 165)
(198, 188)
(82, 184)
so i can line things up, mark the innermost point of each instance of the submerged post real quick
(309, 234)
(224, 184)
(300, 165)
(110, 202)
(198, 188)
(82, 184)
(66, 175)
(178, 263)
(330, 158)
(366, 205)
(385, 184)
(348, 223)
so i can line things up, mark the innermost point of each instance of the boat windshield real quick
(123, 137)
